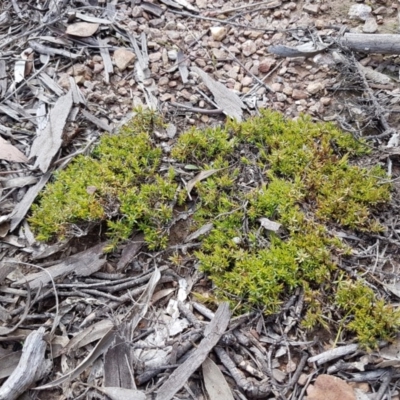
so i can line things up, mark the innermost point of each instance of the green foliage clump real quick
(308, 185)
(119, 182)
(296, 173)
(368, 317)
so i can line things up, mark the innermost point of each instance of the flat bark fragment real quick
(212, 334)
(31, 367)
(49, 140)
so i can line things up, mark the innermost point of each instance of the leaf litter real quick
(50, 114)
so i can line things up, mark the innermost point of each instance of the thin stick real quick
(229, 10)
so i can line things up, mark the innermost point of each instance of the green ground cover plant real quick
(296, 173)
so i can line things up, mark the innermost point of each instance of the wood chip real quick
(49, 140)
(225, 98)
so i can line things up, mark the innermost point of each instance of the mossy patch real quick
(296, 173)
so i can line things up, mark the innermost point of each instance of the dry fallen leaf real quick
(9, 152)
(226, 99)
(215, 382)
(199, 177)
(82, 29)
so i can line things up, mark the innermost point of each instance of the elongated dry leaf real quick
(9, 152)
(215, 382)
(225, 98)
(48, 140)
(199, 177)
(82, 29)
(20, 210)
(201, 231)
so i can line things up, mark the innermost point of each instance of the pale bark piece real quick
(105, 54)
(77, 95)
(212, 334)
(372, 43)
(97, 121)
(215, 382)
(4, 316)
(51, 84)
(183, 70)
(333, 354)
(24, 205)
(9, 111)
(49, 140)
(200, 232)
(329, 387)
(269, 225)
(225, 98)
(84, 263)
(10, 153)
(31, 367)
(142, 71)
(20, 110)
(3, 78)
(19, 71)
(82, 29)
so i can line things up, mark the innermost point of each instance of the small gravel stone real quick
(299, 94)
(315, 87)
(123, 58)
(163, 81)
(288, 90)
(154, 57)
(370, 26)
(281, 97)
(276, 87)
(360, 11)
(325, 101)
(247, 81)
(218, 33)
(311, 8)
(249, 48)
(266, 64)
